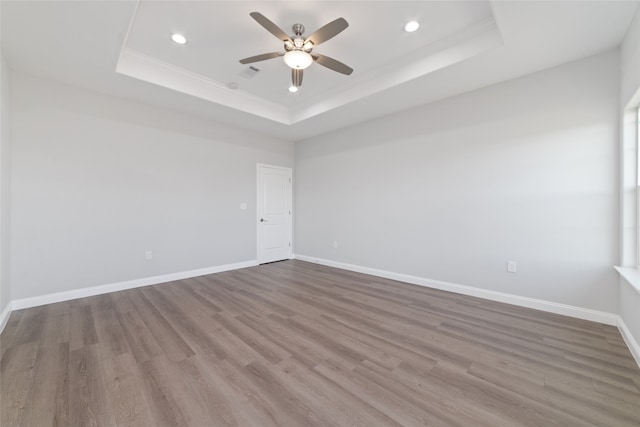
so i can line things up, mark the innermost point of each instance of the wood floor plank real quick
(319, 343)
(9, 333)
(138, 337)
(56, 328)
(82, 327)
(196, 335)
(111, 336)
(17, 374)
(31, 325)
(170, 341)
(388, 347)
(89, 397)
(543, 361)
(176, 389)
(358, 348)
(562, 397)
(212, 286)
(284, 400)
(252, 338)
(221, 406)
(52, 390)
(326, 397)
(162, 389)
(395, 406)
(249, 406)
(515, 408)
(299, 346)
(296, 344)
(125, 382)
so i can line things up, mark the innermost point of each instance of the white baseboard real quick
(129, 284)
(628, 337)
(4, 316)
(538, 304)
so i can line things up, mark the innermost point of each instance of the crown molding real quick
(481, 37)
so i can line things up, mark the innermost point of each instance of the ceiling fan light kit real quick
(298, 59)
(297, 53)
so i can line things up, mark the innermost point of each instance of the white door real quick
(274, 213)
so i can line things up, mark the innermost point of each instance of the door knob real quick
(263, 220)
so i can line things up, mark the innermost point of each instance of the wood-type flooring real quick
(298, 344)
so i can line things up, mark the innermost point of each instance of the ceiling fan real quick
(297, 54)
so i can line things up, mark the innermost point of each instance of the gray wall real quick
(5, 182)
(525, 170)
(99, 180)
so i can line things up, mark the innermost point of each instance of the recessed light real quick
(179, 38)
(293, 89)
(410, 27)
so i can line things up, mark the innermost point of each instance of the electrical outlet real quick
(335, 244)
(512, 266)
(148, 255)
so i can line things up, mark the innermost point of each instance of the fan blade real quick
(262, 57)
(332, 64)
(296, 77)
(269, 26)
(329, 31)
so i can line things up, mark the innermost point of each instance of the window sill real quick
(631, 275)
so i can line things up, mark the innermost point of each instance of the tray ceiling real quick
(382, 54)
(123, 48)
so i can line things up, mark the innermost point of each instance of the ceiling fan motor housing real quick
(298, 29)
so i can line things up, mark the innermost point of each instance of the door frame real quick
(258, 234)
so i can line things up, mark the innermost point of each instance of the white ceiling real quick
(460, 46)
(216, 42)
